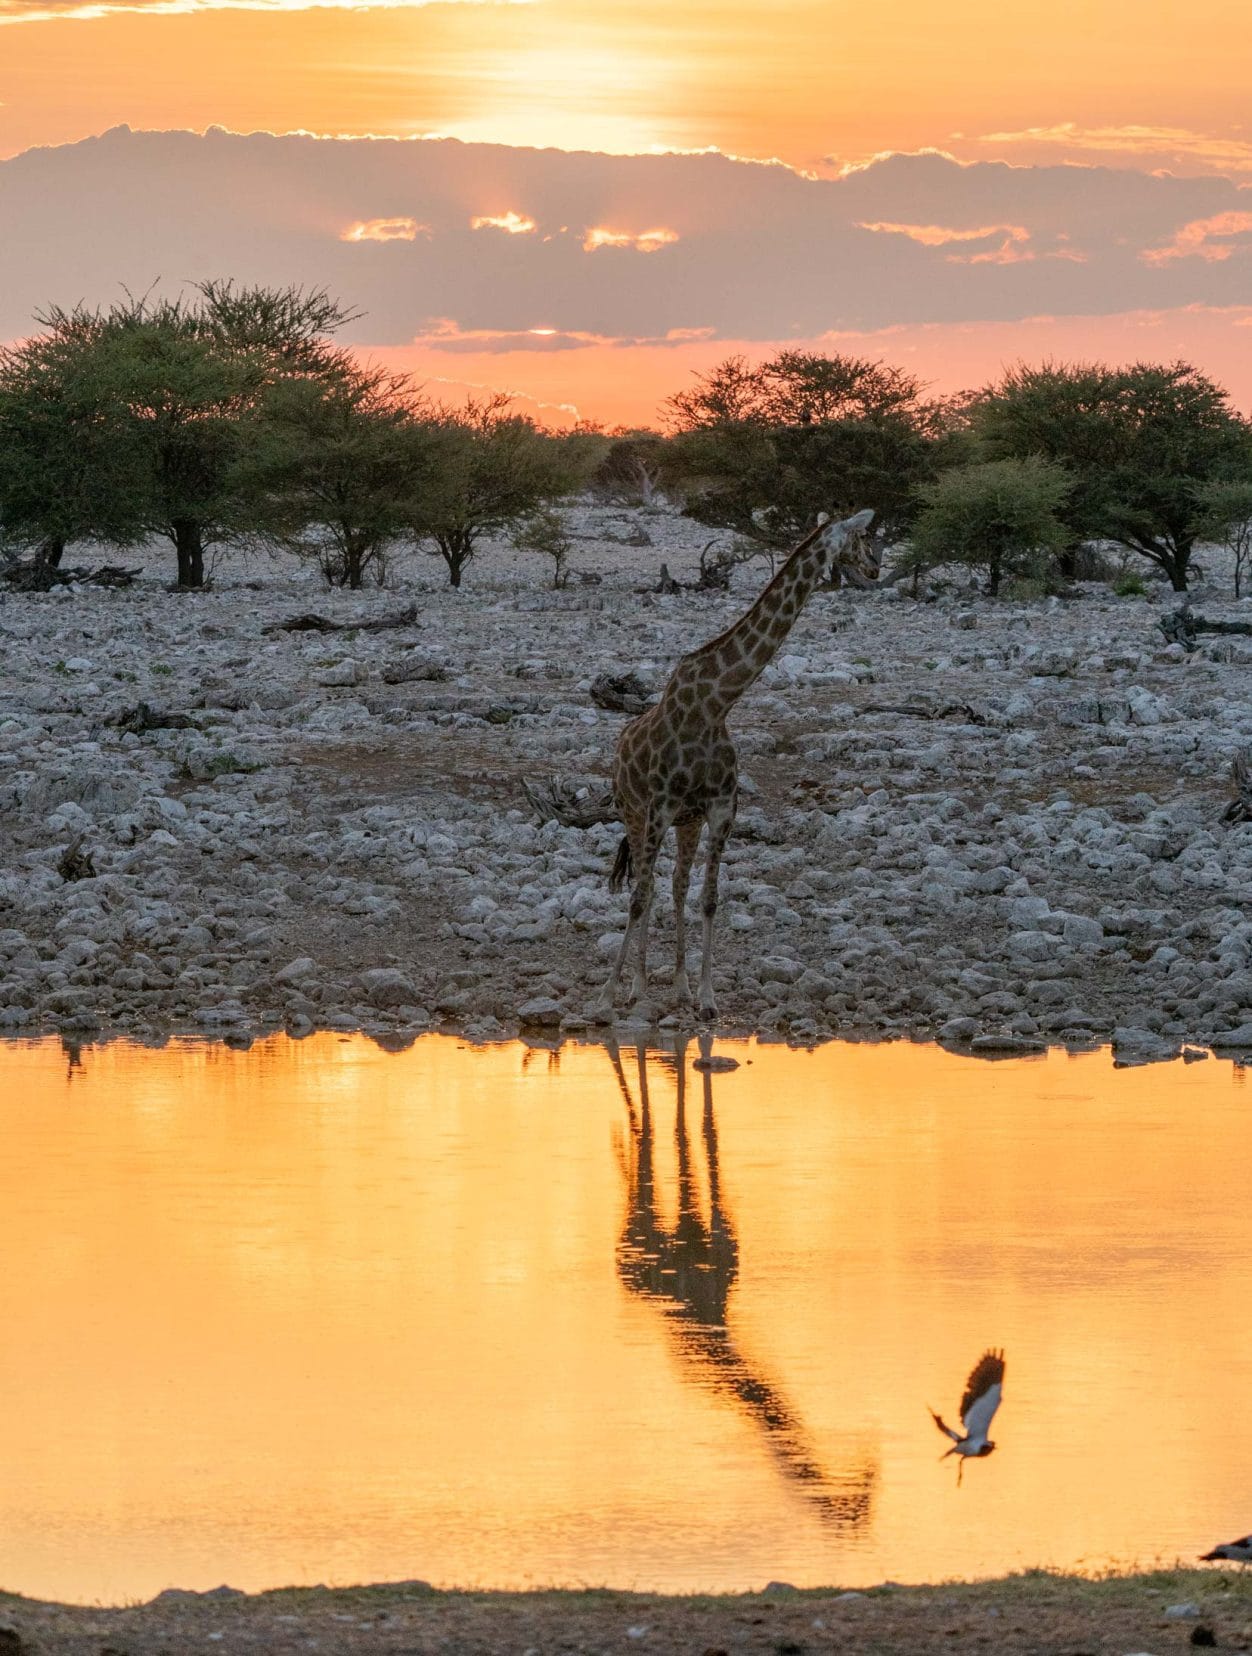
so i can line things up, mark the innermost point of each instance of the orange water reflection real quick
(318, 1312)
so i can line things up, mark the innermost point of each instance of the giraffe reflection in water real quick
(688, 1270)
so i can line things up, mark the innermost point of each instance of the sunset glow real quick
(384, 230)
(514, 224)
(647, 241)
(993, 167)
(626, 771)
(626, 381)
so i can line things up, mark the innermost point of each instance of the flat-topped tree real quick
(675, 765)
(155, 408)
(764, 449)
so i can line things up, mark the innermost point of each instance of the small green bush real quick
(543, 531)
(998, 515)
(1129, 585)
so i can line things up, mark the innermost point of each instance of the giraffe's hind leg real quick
(645, 844)
(688, 837)
(602, 1009)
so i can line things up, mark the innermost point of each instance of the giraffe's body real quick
(675, 765)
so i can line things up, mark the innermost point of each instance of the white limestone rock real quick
(344, 673)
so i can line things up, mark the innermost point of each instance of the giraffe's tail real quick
(623, 866)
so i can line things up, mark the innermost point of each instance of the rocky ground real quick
(997, 821)
(1032, 1615)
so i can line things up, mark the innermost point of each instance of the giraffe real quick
(675, 764)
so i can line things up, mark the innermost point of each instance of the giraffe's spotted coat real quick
(675, 765)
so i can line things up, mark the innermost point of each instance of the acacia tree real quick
(489, 467)
(181, 400)
(998, 515)
(763, 450)
(153, 414)
(340, 458)
(1138, 442)
(66, 473)
(792, 388)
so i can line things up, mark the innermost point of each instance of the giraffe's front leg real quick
(688, 836)
(721, 817)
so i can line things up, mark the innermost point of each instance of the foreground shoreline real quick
(1043, 1612)
(704, 1043)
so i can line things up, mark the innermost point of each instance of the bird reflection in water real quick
(688, 1270)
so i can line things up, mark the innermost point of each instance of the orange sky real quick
(820, 84)
(628, 386)
(797, 79)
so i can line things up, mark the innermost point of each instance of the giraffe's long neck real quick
(725, 667)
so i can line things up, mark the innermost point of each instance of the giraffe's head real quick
(849, 550)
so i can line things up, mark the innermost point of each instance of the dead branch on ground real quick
(621, 693)
(1240, 808)
(572, 804)
(320, 623)
(1181, 626)
(75, 863)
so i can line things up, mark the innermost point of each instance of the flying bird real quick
(1238, 1552)
(983, 1391)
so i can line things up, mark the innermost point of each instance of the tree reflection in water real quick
(689, 1269)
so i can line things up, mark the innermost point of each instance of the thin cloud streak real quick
(1209, 238)
(445, 335)
(384, 230)
(1142, 142)
(939, 235)
(14, 11)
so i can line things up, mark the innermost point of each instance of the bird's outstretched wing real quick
(983, 1391)
(944, 1428)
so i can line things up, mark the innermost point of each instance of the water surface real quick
(320, 1312)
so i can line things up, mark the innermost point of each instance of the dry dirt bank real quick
(1028, 1615)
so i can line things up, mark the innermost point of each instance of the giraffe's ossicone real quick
(675, 765)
